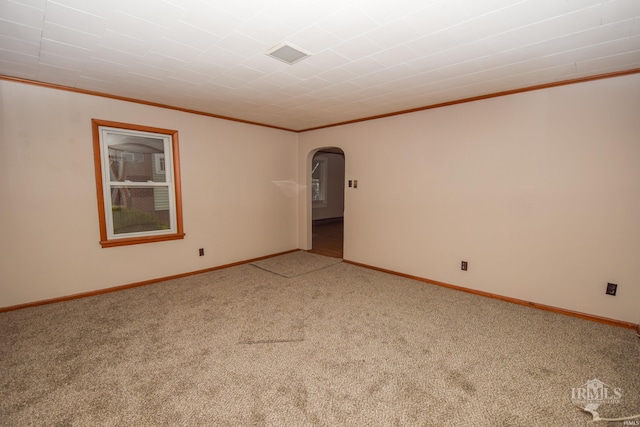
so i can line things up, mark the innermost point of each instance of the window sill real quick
(138, 240)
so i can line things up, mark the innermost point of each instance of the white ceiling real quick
(370, 57)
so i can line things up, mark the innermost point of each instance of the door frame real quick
(306, 240)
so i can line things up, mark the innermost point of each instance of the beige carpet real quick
(295, 263)
(341, 345)
(274, 314)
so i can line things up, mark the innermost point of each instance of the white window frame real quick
(106, 183)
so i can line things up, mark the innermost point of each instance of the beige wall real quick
(48, 213)
(539, 192)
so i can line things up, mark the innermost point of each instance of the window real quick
(138, 183)
(319, 181)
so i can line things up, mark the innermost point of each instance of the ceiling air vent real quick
(287, 52)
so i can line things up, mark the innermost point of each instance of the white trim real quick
(137, 157)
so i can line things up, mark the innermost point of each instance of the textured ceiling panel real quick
(369, 57)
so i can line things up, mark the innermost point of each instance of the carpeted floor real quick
(339, 345)
(295, 263)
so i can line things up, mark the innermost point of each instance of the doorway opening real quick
(327, 202)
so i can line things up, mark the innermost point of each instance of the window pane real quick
(316, 195)
(138, 177)
(136, 209)
(318, 179)
(136, 158)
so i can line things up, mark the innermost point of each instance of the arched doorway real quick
(327, 202)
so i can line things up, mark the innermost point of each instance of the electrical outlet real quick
(612, 288)
(463, 265)
(201, 251)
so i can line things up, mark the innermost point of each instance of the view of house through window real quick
(138, 184)
(319, 180)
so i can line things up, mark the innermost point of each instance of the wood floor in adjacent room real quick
(328, 237)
